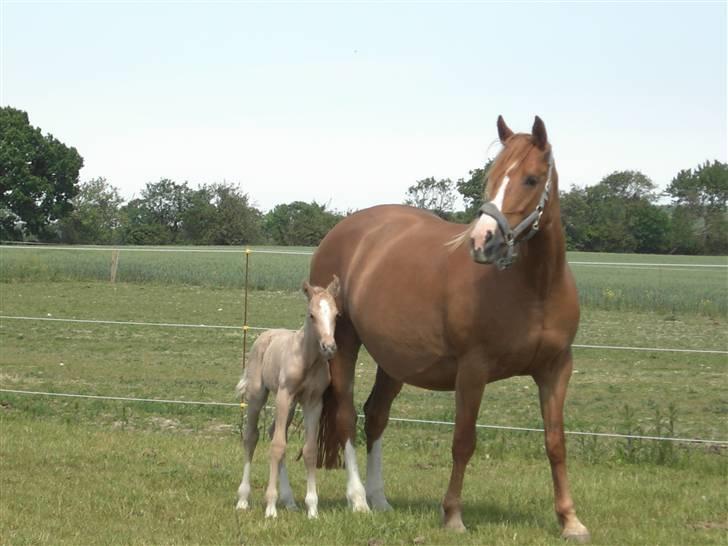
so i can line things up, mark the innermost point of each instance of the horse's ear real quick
(539, 133)
(333, 287)
(504, 132)
(307, 289)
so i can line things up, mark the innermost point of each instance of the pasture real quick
(100, 471)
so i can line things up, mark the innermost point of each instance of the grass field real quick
(688, 288)
(76, 471)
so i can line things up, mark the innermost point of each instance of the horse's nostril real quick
(488, 235)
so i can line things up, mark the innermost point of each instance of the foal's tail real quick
(242, 386)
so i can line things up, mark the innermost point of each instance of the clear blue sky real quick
(350, 103)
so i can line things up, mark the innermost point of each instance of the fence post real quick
(245, 333)
(114, 264)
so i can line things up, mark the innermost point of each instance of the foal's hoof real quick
(270, 511)
(242, 505)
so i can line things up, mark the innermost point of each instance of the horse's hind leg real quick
(256, 400)
(552, 384)
(376, 413)
(338, 423)
(286, 496)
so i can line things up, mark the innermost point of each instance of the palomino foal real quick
(295, 366)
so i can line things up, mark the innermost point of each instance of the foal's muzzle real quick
(328, 350)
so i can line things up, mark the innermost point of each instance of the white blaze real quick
(487, 224)
(326, 317)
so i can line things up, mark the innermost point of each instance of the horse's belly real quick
(414, 365)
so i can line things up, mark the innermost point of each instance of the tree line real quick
(42, 199)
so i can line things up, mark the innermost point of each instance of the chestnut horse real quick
(446, 309)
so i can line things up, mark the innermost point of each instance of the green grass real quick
(76, 471)
(642, 288)
(68, 483)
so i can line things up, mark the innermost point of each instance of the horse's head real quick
(322, 314)
(520, 181)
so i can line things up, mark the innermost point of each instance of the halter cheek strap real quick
(526, 228)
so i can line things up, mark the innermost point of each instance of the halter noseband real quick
(526, 228)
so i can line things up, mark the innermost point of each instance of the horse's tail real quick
(329, 446)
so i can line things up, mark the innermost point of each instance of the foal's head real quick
(520, 181)
(322, 314)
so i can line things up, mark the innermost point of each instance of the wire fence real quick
(246, 327)
(263, 328)
(45, 246)
(395, 419)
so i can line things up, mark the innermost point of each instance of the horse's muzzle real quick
(492, 250)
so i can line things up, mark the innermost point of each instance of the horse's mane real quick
(518, 147)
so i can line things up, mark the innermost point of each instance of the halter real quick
(526, 228)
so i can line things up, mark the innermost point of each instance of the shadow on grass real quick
(475, 514)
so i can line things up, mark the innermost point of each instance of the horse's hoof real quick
(358, 502)
(312, 514)
(242, 505)
(577, 538)
(379, 503)
(291, 506)
(271, 512)
(456, 526)
(453, 523)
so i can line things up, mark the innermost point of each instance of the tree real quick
(96, 215)
(299, 223)
(437, 196)
(700, 197)
(221, 214)
(616, 215)
(38, 176)
(473, 189)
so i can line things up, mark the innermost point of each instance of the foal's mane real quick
(515, 150)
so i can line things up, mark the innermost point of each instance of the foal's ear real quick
(504, 132)
(333, 287)
(539, 133)
(307, 289)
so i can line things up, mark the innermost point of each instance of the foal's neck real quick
(309, 344)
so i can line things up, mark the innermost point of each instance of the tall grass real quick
(639, 288)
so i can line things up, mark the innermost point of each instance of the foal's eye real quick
(531, 181)
(310, 315)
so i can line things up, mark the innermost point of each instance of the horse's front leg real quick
(340, 417)
(311, 415)
(469, 386)
(552, 384)
(376, 412)
(284, 401)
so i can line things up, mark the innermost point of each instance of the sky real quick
(350, 103)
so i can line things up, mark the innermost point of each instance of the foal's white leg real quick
(375, 481)
(355, 493)
(250, 440)
(277, 450)
(311, 415)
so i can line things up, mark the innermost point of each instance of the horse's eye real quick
(531, 181)
(310, 315)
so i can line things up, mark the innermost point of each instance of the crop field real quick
(76, 470)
